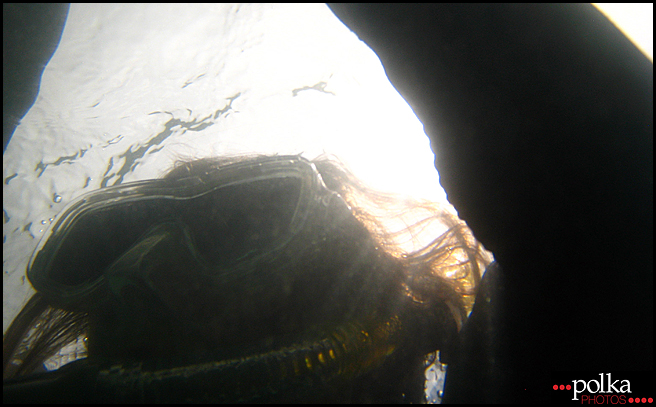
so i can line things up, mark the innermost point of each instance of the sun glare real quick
(635, 20)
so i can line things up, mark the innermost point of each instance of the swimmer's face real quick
(208, 261)
(253, 274)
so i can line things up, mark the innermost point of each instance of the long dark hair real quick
(428, 256)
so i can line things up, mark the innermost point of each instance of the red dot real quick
(568, 387)
(650, 400)
(562, 387)
(630, 399)
(637, 400)
(644, 400)
(555, 387)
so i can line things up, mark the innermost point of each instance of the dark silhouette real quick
(243, 279)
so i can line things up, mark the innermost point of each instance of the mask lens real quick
(240, 221)
(228, 225)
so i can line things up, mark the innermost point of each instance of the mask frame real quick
(66, 269)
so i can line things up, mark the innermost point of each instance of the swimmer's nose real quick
(163, 262)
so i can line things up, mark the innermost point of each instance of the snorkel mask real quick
(188, 247)
(231, 215)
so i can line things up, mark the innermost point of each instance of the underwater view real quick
(221, 211)
(241, 203)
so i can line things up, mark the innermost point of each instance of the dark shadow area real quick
(541, 119)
